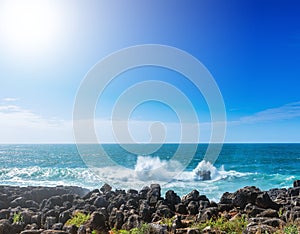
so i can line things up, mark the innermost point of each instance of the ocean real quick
(263, 165)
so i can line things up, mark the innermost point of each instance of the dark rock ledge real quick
(46, 210)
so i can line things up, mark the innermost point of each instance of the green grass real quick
(143, 229)
(78, 219)
(18, 218)
(223, 225)
(167, 221)
(290, 229)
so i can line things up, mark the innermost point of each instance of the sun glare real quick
(29, 26)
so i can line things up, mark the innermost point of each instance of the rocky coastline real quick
(46, 210)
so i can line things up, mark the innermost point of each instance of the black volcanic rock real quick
(41, 208)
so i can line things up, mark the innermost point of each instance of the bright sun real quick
(29, 26)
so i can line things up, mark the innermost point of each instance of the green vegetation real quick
(78, 219)
(143, 229)
(167, 221)
(223, 225)
(18, 218)
(290, 229)
(280, 212)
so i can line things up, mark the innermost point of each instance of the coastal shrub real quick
(143, 229)
(290, 229)
(167, 221)
(280, 212)
(223, 225)
(18, 218)
(78, 219)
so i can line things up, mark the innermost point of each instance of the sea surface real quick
(263, 165)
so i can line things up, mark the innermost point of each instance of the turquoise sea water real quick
(263, 165)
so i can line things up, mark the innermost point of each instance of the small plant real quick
(167, 221)
(290, 229)
(280, 212)
(78, 219)
(143, 229)
(223, 225)
(18, 218)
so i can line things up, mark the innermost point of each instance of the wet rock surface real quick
(30, 210)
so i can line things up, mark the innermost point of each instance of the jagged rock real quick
(177, 223)
(57, 226)
(81, 229)
(154, 194)
(208, 230)
(274, 222)
(105, 188)
(71, 229)
(269, 213)
(36, 219)
(50, 221)
(258, 229)
(244, 196)
(92, 193)
(116, 220)
(293, 192)
(53, 201)
(296, 183)
(193, 231)
(192, 196)
(164, 211)
(33, 226)
(64, 216)
(20, 201)
(6, 227)
(193, 208)
(54, 232)
(132, 222)
(277, 193)
(253, 210)
(101, 202)
(145, 211)
(181, 208)
(158, 229)
(204, 204)
(204, 175)
(223, 207)
(4, 214)
(264, 201)
(32, 231)
(31, 204)
(97, 222)
(143, 192)
(172, 199)
(227, 198)
(207, 214)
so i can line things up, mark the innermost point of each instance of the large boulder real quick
(172, 199)
(296, 183)
(263, 200)
(6, 227)
(192, 196)
(244, 196)
(97, 222)
(154, 194)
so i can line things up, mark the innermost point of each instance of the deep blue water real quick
(263, 165)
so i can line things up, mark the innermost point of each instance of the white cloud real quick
(10, 99)
(285, 112)
(19, 125)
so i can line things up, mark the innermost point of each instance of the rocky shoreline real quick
(45, 210)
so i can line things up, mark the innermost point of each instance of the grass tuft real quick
(18, 218)
(78, 219)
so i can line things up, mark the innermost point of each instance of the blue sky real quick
(252, 49)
